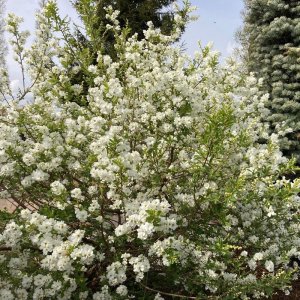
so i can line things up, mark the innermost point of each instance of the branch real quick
(5, 248)
(167, 294)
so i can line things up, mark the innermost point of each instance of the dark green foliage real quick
(271, 41)
(133, 18)
(134, 14)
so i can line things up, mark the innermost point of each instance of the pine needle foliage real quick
(271, 42)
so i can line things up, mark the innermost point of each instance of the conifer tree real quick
(137, 13)
(133, 14)
(271, 40)
(133, 19)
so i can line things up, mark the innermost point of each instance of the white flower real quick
(92, 190)
(99, 219)
(85, 253)
(122, 290)
(258, 256)
(76, 237)
(26, 281)
(6, 294)
(158, 297)
(57, 188)
(140, 265)
(93, 69)
(56, 285)
(229, 276)
(81, 215)
(27, 181)
(11, 235)
(269, 265)
(116, 273)
(244, 253)
(21, 294)
(94, 206)
(83, 295)
(122, 229)
(145, 230)
(28, 159)
(39, 175)
(103, 295)
(270, 211)
(40, 280)
(76, 193)
(252, 264)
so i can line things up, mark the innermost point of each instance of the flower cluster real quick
(148, 179)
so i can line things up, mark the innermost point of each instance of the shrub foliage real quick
(156, 189)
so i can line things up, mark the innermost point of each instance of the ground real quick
(6, 204)
(295, 294)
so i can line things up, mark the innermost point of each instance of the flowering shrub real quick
(150, 186)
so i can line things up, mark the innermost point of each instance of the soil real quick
(294, 295)
(5, 204)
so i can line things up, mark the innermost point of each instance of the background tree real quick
(270, 40)
(133, 14)
(133, 18)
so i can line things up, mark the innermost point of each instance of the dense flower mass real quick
(147, 180)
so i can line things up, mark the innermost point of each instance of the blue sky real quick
(218, 21)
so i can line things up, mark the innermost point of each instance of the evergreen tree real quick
(133, 18)
(137, 13)
(271, 40)
(132, 14)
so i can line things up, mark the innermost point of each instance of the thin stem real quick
(167, 294)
